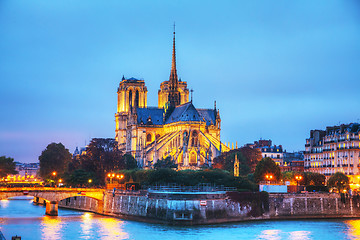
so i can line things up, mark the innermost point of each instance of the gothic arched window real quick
(130, 98)
(148, 137)
(194, 139)
(136, 99)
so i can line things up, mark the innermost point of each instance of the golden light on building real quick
(189, 135)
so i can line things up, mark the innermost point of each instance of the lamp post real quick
(53, 174)
(298, 178)
(110, 176)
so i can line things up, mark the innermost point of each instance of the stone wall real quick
(313, 205)
(202, 208)
(173, 208)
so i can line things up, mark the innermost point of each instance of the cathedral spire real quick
(174, 95)
(173, 73)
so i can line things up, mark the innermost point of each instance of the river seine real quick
(22, 218)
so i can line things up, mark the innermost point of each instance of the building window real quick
(148, 137)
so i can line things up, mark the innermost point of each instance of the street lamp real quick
(269, 177)
(54, 173)
(298, 178)
(90, 180)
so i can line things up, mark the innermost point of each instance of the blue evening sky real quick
(277, 69)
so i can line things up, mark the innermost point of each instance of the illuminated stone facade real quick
(175, 128)
(334, 150)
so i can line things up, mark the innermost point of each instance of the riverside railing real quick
(197, 188)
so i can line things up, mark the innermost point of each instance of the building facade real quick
(175, 128)
(335, 149)
(293, 161)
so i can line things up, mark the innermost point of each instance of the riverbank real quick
(27, 220)
(181, 208)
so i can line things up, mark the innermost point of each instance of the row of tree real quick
(103, 156)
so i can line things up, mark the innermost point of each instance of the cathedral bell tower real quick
(132, 94)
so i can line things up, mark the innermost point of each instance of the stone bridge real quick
(52, 196)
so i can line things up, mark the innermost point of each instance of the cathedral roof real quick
(185, 113)
(150, 115)
(208, 115)
(182, 113)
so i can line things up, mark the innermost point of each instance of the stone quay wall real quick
(219, 207)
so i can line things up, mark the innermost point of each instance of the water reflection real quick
(300, 235)
(51, 228)
(27, 220)
(112, 228)
(354, 229)
(86, 224)
(270, 234)
(4, 203)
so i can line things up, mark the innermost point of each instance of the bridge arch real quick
(51, 196)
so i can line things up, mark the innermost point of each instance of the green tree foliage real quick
(81, 177)
(267, 166)
(7, 166)
(313, 179)
(339, 181)
(188, 178)
(165, 163)
(248, 158)
(130, 162)
(54, 158)
(309, 178)
(102, 156)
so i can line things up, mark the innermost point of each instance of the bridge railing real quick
(197, 188)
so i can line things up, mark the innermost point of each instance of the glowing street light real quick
(54, 173)
(269, 177)
(90, 181)
(298, 178)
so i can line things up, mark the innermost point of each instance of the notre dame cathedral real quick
(191, 136)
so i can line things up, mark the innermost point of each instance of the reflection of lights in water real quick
(354, 228)
(270, 234)
(112, 229)
(51, 228)
(299, 235)
(86, 221)
(4, 203)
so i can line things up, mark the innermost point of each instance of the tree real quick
(55, 158)
(313, 179)
(7, 166)
(130, 162)
(266, 167)
(339, 181)
(80, 177)
(252, 155)
(248, 158)
(165, 163)
(102, 156)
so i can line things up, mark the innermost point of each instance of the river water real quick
(21, 217)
